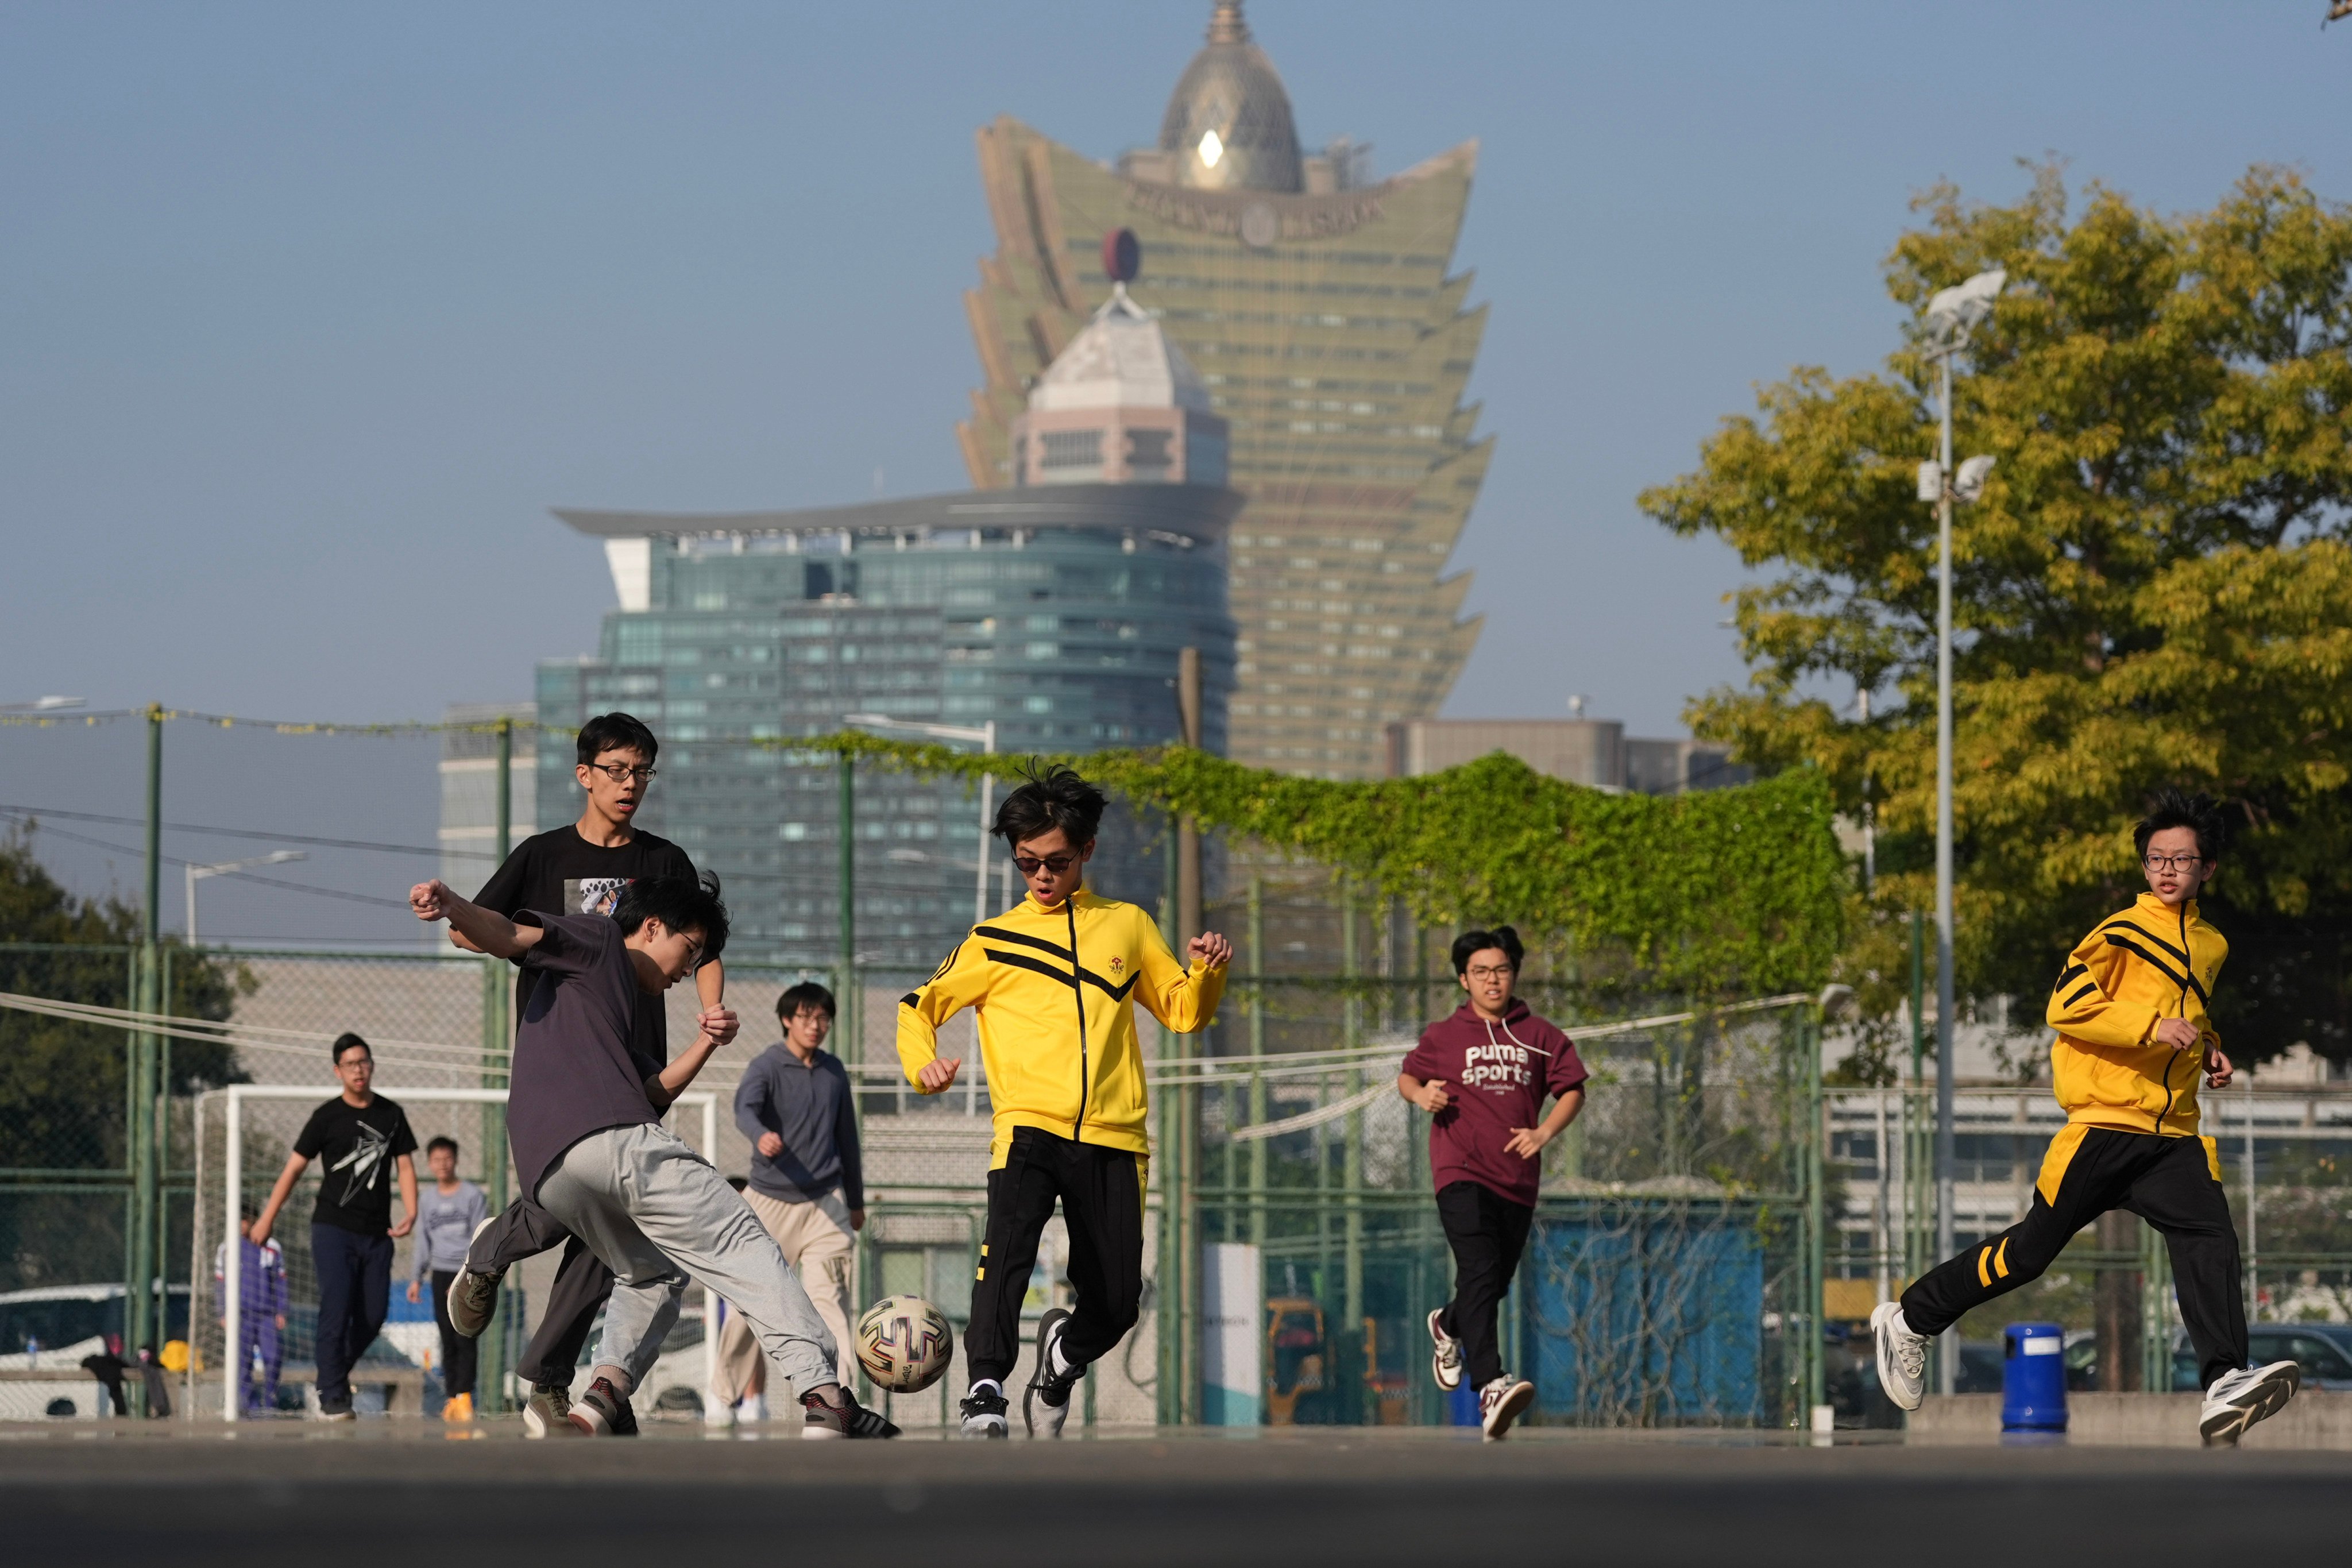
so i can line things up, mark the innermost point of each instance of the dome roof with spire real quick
(1121, 359)
(1228, 121)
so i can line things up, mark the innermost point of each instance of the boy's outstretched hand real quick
(430, 900)
(1212, 950)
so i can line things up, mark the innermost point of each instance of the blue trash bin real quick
(2033, 1378)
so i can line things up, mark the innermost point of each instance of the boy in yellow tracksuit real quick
(1054, 981)
(2134, 1037)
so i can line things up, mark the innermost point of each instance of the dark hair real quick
(739, 1182)
(444, 1142)
(807, 994)
(1052, 796)
(678, 903)
(344, 1042)
(2170, 807)
(617, 733)
(1471, 941)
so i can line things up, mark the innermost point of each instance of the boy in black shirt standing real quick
(361, 1139)
(576, 869)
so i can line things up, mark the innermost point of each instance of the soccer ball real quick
(904, 1343)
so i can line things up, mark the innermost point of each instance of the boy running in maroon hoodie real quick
(1484, 1074)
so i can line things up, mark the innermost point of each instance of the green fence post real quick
(1351, 1161)
(498, 1041)
(1809, 1040)
(1257, 1154)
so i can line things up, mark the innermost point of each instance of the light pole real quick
(223, 868)
(1952, 315)
(984, 737)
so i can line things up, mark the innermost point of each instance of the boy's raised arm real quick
(488, 933)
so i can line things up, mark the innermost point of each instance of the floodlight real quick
(1931, 481)
(1954, 312)
(1969, 482)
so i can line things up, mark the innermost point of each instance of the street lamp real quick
(1952, 314)
(984, 737)
(41, 705)
(226, 868)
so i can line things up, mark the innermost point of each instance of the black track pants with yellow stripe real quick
(2169, 1181)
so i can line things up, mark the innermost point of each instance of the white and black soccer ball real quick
(904, 1343)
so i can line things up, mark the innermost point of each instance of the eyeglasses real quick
(1484, 972)
(1057, 864)
(2173, 862)
(621, 773)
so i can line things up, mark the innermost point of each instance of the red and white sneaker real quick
(1445, 1361)
(1502, 1401)
(603, 1412)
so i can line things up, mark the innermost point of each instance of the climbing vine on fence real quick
(1711, 894)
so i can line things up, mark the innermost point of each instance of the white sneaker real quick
(1445, 1361)
(718, 1416)
(753, 1408)
(2238, 1399)
(1501, 1402)
(1902, 1356)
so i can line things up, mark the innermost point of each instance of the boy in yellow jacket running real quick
(2135, 1038)
(1054, 981)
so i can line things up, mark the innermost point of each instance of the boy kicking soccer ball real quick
(589, 1147)
(2134, 1039)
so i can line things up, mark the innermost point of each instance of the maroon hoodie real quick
(1498, 1074)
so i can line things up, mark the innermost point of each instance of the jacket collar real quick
(1083, 898)
(2150, 905)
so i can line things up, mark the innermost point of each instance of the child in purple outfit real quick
(1482, 1074)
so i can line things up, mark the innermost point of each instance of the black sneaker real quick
(603, 1412)
(984, 1414)
(335, 1409)
(824, 1419)
(1045, 1403)
(474, 1298)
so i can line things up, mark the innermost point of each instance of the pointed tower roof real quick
(1229, 120)
(1121, 359)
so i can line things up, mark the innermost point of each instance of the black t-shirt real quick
(356, 1147)
(574, 1072)
(560, 873)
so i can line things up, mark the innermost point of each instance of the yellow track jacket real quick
(2145, 963)
(1058, 1031)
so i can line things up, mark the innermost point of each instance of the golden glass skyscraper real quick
(1317, 307)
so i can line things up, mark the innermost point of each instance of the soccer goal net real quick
(243, 1136)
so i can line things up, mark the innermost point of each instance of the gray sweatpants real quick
(655, 1210)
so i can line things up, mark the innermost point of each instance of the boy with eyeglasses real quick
(1054, 981)
(576, 869)
(2135, 1036)
(1482, 1074)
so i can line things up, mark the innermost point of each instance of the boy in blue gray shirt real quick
(796, 1105)
(448, 1214)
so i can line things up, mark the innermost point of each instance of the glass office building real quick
(1056, 612)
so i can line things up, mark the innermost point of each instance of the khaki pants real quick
(817, 1239)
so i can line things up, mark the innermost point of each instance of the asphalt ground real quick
(390, 1491)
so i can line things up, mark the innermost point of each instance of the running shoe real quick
(826, 1419)
(460, 1408)
(1902, 1356)
(547, 1412)
(335, 1409)
(2238, 1399)
(1045, 1403)
(473, 1298)
(603, 1412)
(1445, 1361)
(1502, 1401)
(984, 1414)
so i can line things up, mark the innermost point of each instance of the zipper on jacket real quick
(2188, 967)
(1077, 992)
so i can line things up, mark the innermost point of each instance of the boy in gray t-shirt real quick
(447, 1213)
(583, 1120)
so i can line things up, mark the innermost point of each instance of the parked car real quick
(51, 1328)
(2324, 1350)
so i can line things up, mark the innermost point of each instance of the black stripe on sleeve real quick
(910, 999)
(2070, 973)
(2078, 996)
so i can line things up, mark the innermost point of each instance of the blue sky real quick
(309, 314)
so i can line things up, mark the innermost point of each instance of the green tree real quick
(61, 1083)
(2156, 587)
